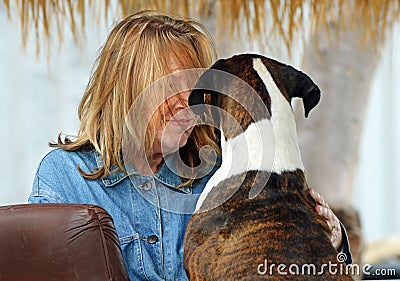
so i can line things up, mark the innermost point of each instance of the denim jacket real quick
(150, 214)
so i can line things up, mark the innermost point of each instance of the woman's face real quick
(175, 118)
(176, 125)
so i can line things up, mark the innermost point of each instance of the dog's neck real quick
(268, 144)
(253, 149)
(287, 151)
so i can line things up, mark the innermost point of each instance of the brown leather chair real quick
(59, 242)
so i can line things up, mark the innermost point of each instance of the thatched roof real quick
(255, 19)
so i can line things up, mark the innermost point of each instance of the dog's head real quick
(229, 83)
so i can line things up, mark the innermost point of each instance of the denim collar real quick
(165, 175)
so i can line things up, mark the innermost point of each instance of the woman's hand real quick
(333, 222)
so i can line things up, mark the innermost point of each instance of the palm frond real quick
(247, 19)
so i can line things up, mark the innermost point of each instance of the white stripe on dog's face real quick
(253, 149)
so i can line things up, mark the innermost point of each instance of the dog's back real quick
(255, 219)
(269, 237)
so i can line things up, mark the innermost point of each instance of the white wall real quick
(39, 99)
(377, 184)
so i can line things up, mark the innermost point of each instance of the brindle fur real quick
(279, 225)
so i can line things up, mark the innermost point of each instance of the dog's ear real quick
(303, 87)
(204, 85)
(196, 100)
(294, 82)
(310, 93)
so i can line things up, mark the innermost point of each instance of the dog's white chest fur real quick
(253, 150)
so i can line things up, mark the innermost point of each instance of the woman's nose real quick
(183, 100)
(181, 104)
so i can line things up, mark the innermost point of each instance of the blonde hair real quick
(138, 52)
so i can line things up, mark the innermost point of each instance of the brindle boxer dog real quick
(274, 232)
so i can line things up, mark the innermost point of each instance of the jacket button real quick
(146, 186)
(152, 239)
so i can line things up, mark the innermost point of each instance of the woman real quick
(130, 168)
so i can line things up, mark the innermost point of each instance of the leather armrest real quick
(59, 242)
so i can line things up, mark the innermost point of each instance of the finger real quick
(336, 237)
(318, 198)
(331, 219)
(323, 212)
(333, 224)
